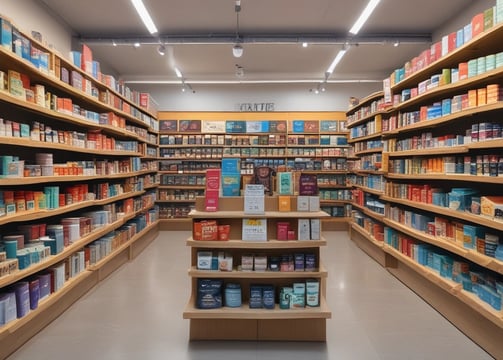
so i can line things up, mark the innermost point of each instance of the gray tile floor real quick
(136, 314)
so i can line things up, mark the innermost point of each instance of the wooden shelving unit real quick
(243, 323)
(124, 170)
(476, 318)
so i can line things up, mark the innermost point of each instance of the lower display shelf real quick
(451, 287)
(244, 312)
(322, 273)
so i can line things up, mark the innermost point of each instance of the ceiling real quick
(199, 36)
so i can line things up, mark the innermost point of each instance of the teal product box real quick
(490, 296)
(6, 34)
(329, 125)
(470, 234)
(235, 126)
(481, 65)
(231, 184)
(284, 183)
(472, 67)
(298, 126)
(24, 130)
(499, 59)
(490, 62)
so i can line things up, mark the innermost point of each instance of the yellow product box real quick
(492, 206)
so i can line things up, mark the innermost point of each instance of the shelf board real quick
(462, 149)
(477, 219)
(366, 137)
(44, 213)
(270, 244)
(334, 202)
(54, 259)
(215, 274)
(369, 190)
(68, 178)
(368, 151)
(369, 212)
(450, 286)
(178, 201)
(268, 214)
(26, 142)
(244, 312)
(367, 100)
(121, 248)
(161, 158)
(182, 187)
(182, 172)
(444, 119)
(332, 186)
(449, 245)
(458, 177)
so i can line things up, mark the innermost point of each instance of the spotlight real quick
(161, 50)
(136, 44)
(114, 43)
(305, 44)
(240, 72)
(396, 43)
(237, 50)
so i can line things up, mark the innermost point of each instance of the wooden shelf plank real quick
(458, 177)
(478, 219)
(450, 245)
(268, 214)
(215, 274)
(244, 312)
(270, 244)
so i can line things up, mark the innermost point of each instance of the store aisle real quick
(136, 314)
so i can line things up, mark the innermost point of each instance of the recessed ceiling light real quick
(305, 44)
(237, 50)
(136, 44)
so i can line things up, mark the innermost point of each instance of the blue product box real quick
(460, 38)
(460, 198)
(446, 266)
(264, 126)
(470, 234)
(490, 296)
(298, 126)
(76, 57)
(256, 297)
(437, 262)
(6, 34)
(230, 165)
(446, 107)
(268, 297)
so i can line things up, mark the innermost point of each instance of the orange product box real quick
(481, 96)
(463, 70)
(284, 203)
(472, 98)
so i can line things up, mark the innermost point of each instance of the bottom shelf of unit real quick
(244, 312)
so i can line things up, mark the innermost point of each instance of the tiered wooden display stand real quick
(243, 323)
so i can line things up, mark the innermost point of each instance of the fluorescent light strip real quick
(337, 59)
(144, 15)
(364, 16)
(178, 73)
(231, 82)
